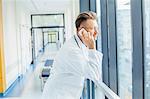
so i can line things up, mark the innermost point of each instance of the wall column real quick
(2, 63)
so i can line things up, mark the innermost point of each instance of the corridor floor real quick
(29, 87)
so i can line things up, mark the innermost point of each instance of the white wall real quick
(75, 13)
(45, 38)
(10, 40)
(17, 39)
(71, 14)
(38, 41)
(61, 36)
(23, 37)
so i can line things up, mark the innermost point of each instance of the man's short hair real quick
(85, 16)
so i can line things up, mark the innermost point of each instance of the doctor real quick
(76, 61)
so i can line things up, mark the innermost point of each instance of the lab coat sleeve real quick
(93, 70)
(76, 60)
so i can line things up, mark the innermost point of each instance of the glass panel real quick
(98, 11)
(54, 38)
(124, 49)
(146, 18)
(47, 20)
(85, 91)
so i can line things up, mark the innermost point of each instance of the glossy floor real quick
(29, 86)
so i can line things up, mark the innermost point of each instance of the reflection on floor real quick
(29, 87)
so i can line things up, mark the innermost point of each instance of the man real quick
(76, 61)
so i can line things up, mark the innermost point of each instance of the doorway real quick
(52, 30)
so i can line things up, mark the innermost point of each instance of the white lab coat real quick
(73, 64)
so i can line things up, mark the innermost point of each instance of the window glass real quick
(49, 20)
(146, 18)
(124, 48)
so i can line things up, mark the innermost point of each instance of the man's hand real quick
(87, 38)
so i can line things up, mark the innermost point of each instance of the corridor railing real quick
(107, 91)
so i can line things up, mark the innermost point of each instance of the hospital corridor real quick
(74, 49)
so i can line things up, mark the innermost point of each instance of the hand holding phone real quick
(87, 38)
(83, 33)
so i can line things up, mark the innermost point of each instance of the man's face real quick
(90, 26)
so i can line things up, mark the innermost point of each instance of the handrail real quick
(107, 91)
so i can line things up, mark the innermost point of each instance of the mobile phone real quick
(83, 31)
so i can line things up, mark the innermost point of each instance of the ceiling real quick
(50, 5)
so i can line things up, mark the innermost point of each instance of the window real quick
(124, 48)
(47, 20)
(146, 18)
(52, 37)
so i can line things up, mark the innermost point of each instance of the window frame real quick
(108, 11)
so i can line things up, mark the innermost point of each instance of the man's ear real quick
(95, 35)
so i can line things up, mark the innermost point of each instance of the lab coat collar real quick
(82, 46)
(79, 41)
